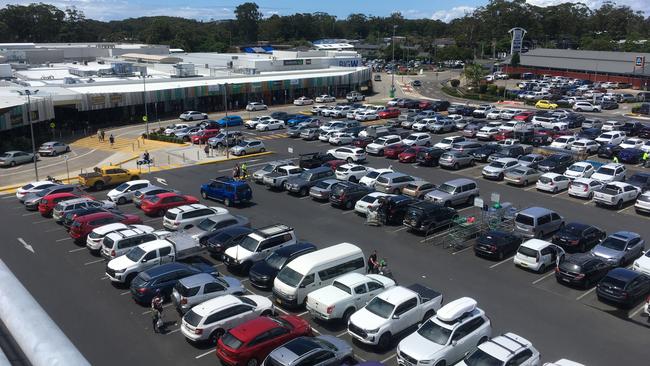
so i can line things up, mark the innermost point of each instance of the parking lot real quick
(108, 327)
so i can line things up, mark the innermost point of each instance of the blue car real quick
(163, 278)
(230, 121)
(630, 156)
(227, 190)
(297, 119)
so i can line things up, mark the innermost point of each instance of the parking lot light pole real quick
(392, 82)
(31, 126)
(143, 75)
(225, 105)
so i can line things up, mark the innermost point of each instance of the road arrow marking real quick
(27, 246)
(161, 181)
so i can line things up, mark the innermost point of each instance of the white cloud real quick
(453, 13)
(642, 5)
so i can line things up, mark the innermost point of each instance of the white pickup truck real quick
(616, 194)
(175, 247)
(392, 312)
(346, 295)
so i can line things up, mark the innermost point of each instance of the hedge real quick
(164, 138)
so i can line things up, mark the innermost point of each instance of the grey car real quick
(393, 182)
(454, 192)
(32, 200)
(322, 189)
(13, 158)
(258, 175)
(531, 160)
(324, 350)
(522, 176)
(620, 248)
(53, 148)
(142, 193)
(186, 133)
(226, 138)
(295, 131)
(307, 179)
(210, 225)
(248, 147)
(455, 160)
(201, 287)
(310, 134)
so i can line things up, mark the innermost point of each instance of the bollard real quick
(183, 158)
(168, 161)
(138, 141)
(133, 147)
(197, 155)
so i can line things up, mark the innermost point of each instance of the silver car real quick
(248, 147)
(186, 133)
(322, 190)
(320, 351)
(13, 158)
(393, 182)
(201, 287)
(620, 248)
(258, 175)
(454, 192)
(142, 193)
(456, 160)
(522, 176)
(53, 148)
(211, 225)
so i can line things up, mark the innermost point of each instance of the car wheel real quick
(555, 189)
(619, 204)
(242, 153)
(160, 213)
(121, 201)
(384, 341)
(135, 177)
(304, 191)
(12, 164)
(252, 362)
(540, 235)
(353, 179)
(214, 337)
(526, 183)
(579, 110)
(262, 150)
(482, 340)
(67, 149)
(98, 186)
(442, 363)
(227, 202)
(381, 153)
(590, 195)
(349, 160)
(129, 279)
(456, 166)
(348, 205)
(346, 315)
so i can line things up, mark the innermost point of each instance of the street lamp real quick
(392, 82)
(143, 75)
(28, 93)
(225, 105)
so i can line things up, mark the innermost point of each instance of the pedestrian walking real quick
(111, 139)
(644, 159)
(615, 160)
(99, 135)
(103, 135)
(373, 264)
(235, 171)
(156, 310)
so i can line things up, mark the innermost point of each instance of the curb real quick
(126, 160)
(638, 116)
(234, 158)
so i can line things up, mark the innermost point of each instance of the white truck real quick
(178, 246)
(616, 194)
(346, 295)
(355, 97)
(392, 312)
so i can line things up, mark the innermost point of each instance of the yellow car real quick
(545, 104)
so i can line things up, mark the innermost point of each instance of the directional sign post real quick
(65, 157)
(52, 126)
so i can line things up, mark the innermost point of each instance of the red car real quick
(409, 155)
(389, 113)
(159, 204)
(504, 135)
(251, 342)
(524, 116)
(83, 225)
(334, 163)
(362, 142)
(392, 152)
(202, 136)
(425, 104)
(47, 204)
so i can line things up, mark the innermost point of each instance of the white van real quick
(315, 270)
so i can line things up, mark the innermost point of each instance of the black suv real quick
(314, 160)
(581, 270)
(439, 105)
(396, 208)
(263, 273)
(608, 151)
(425, 216)
(641, 180)
(226, 238)
(346, 194)
(578, 237)
(632, 128)
(623, 286)
(496, 244)
(429, 156)
(514, 151)
(557, 163)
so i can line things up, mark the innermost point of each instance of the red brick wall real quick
(637, 82)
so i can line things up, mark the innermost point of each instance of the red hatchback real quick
(202, 136)
(47, 203)
(159, 204)
(503, 135)
(389, 113)
(393, 152)
(83, 225)
(425, 104)
(524, 116)
(251, 342)
(409, 155)
(362, 142)
(334, 163)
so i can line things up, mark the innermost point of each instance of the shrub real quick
(501, 90)
(455, 83)
(161, 137)
(492, 89)
(482, 89)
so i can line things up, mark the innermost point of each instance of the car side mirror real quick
(395, 316)
(454, 343)
(302, 285)
(144, 260)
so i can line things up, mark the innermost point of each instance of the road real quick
(110, 329)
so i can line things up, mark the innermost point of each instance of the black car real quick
(608, 105)
(496, 244)
(632, 128)
(623, 286)
(225, 239)
(426, 216)
(411, 103)
(574, 120)
(439, 105)
(314, 160)
(263, 273)
(644, 133)
(396, 207)
(280, 115)
(485, 151)
(589, 133)
(346, 194)
(608, 151)
(557, 163)
(578, 237)
(581, 270)
(429, 156)
(513, 151)
(465, 111)
(641, 180)
(416, 83)
(163, 278)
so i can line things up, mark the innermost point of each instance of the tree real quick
(248, 18)
(515, 60)
(474, 73)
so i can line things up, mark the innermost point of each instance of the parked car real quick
(256, 106)
(258, 176)
(346, 194)
(522, 175)
(497, 169)
(556, 163)
(455, 160)
(248, 147)
(324, 349)
(53, 148)
(454, 192)
(577, 237)
(195, 289)
(230, 121)
(552, 182)
(302, 183)
(620, 248)
(263, 272)
(425, 217)
(13, 158)
(536, 222)
(350, 172)
(538, 255)
(507, 349)
(623, 286)
(163, 278)
(82, 226)
(322, 189)
(616, 194)
(429, 156)
(192, 116)
(159, 204)
(349, 154)
(581, 270)
(227, 190)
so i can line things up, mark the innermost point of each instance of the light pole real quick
(143, 75)
(225, 105)
(392, 82)
(31, 127)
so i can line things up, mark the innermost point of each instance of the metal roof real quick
(594, 61)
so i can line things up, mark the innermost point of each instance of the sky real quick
(445, 10)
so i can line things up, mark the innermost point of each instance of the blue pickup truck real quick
(227, 190)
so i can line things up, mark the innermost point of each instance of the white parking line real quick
(559, 193)
(281, 310)
(398, 230)
(7, 197)
(93, 262)
(152, 220)
(76, 250)
(464, 208)
(30, 214)
(433, 237)
(625, 209)
(635, 312)
(586, 293)
(204, 354)
(389, 358)
(63, 239)
(174, 331)
(103, 278)
(303, 313)
(587, 202)
(360, 358)
(342, 334)
(244, 280)
(304, 198)
(543, 277)
(347, 212)
(125, 293)
(530, 188)
(41, 221)
(462, 250)
(502, 262)
(315, 330)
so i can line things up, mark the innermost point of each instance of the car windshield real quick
(497, 164)
(275, 260)
(519, 171)
(289, 277)
(342, 287)
(249, 243)
(434, 332)
(322, 185)
(577, 168)
(153, 199)
(231, 341)
(192, 318)
(527, 158)
(380, 307)
(242, 143)
(605, 171)
(527, 251)
(447, 140)
(206, 224)
(8, 155)
(573, 229)
(268, 168)
(613, 282)
(525, 220)
(545, 179)
(447, 188)
(220, 136)
(480, 358)
(614, 243)
(135, 254)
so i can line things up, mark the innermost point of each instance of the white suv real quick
(370, 178)
(258, 245)
(538, 255)
(610, 173)
(351, 172)
(96, 237)
(119, 242)
(456, 330)
(184, 217)
(125, 191)
(507, 349)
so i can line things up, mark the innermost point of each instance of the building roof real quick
(141, 57)
(591, 61)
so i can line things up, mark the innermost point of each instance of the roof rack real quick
(522, 345)
(272, 230)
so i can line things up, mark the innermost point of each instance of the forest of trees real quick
(567, 25)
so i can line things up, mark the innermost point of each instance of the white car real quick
(341, 138)
(585, 146)
(318, 108)
(124, 192)
(498, 168)
(584, 187)
(585, 107)
(632, 143)
(508, 113)
(611, 172)
(252, 123)
(350, 172)
(611, 138)
(563, 362)
(538, 255)
(448, 142)
(616, 194)
(563, 142)
(325, 99)
(346, 295)
(494, 114)
(504, 350)
(303, 101)
(510, 126)
(192, 116)
(612, 125)
(371, 177)
(33, 187)
(270, 124)
(379, 145)
(96, 237)
(170, 130)
(186, 216)
(581, 169)
(444, 339)
(209, 320)
(487, 133)
(417, 139)
(642, 264)
(339, 111)
(370, 200)
(366, 116)
(482, 111)
(256, 106)
(349, 154)
(421, 125)
(552, 182)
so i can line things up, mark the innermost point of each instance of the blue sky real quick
(203, 9)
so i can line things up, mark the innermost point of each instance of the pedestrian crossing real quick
(274, 136)
(121, 144)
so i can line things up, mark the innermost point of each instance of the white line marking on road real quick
(347, 212)
(125, 293)
(464, 208)
(433, 237)
(360, 358)
(174, 331)
(635, 312)
(502, 262)
(204, 354)
(586, 293)
(587, 202)
(559, 193)
(93, 262)
(25, 245)
(398, 230)
(303, 313)
(30, 214)
(152, 220)
(624, 209)
(543, 278)
(244, 280)
(63, 239)
(462, 250)
(530, 188)
(103, 278)
(342, 334)
(41, 221)
(389, 358)
(57, 163)
(315, 330)
(304, 198)
(161, 180)
(281, 310)
(7, 197)
(76, 250)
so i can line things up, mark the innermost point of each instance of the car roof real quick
(294, 248)
(185, 208)
(250, 329)
(95, 215)
(536, 244)
(75, 200)
(197, 279)
(535, 211)
(459, 181)
(102, 230)
(221, 302)
(163, 269)
(352, 279)
(504, 346)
